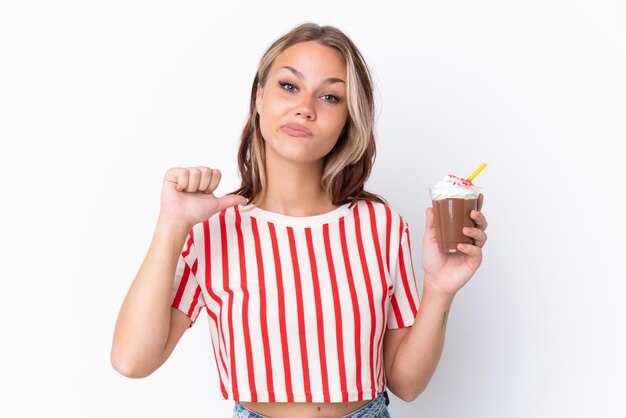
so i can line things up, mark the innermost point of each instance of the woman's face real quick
(303, 107)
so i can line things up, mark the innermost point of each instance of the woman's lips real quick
(293, 129)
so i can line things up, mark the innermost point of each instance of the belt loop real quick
(386, 397)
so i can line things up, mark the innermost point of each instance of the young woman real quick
(307, 279)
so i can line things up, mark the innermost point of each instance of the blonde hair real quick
(348, 165)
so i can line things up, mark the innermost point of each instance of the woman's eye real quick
(330, 98)
(287, 86)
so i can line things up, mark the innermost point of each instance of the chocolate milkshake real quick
(453, 200)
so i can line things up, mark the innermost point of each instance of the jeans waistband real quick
(376, 408)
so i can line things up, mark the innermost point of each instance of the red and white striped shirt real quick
(298, 306)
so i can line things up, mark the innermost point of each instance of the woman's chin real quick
(298, 155)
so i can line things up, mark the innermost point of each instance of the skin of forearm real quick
(142, 327)
(418, 353)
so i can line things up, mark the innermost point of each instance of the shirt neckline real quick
(279, 218)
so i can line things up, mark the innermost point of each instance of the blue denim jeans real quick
(376, 408)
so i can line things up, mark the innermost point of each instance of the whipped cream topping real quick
(454, 186)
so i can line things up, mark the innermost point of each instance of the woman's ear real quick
(259, 98)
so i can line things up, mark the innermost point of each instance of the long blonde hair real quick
(348, 165)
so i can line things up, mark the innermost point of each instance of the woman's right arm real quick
(147, 327)
(143, 325)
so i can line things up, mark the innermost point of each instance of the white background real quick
(98, 99)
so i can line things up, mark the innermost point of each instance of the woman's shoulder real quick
(382, 207)
(377, 202)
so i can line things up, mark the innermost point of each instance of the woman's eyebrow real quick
(298, 74)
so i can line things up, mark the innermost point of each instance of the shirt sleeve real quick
(404, 301)
(186, 292)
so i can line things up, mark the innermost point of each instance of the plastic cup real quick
(452, 214)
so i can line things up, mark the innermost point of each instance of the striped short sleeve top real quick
(298, 306)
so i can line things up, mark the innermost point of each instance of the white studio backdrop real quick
(98, 99)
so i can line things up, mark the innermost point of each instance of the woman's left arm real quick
(415, 352)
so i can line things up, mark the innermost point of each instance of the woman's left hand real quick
(448, 272)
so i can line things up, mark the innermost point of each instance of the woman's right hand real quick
(187, 195)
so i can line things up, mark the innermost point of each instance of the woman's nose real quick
(306, 107)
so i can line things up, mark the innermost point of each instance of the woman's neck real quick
(294, 190)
